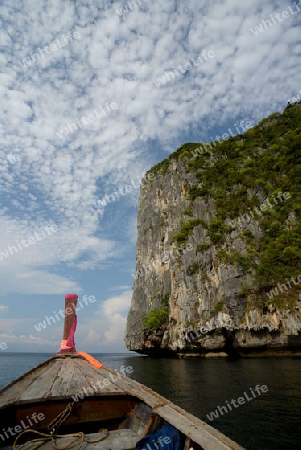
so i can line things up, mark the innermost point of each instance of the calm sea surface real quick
(269, 422)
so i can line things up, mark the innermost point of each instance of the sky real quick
(93, 94)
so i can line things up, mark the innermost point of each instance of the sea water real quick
(270, 420)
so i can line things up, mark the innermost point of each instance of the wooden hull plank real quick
(13, 391)
(132, 387)
(41, 388)
(197, 430)
(94, 409)
(209, 438)
(100, 380)
(58, 379)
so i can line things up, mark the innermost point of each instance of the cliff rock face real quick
(197, 288)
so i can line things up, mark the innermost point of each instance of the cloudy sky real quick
(87, 108)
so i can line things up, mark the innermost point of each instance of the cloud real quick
(22, 339)
(116, 59)
(107, 327)
(120, 288)
(11, 325)
(3, 307)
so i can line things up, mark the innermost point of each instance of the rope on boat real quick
(44, 438)
(53, 436)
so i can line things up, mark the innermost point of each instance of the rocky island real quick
(218, 266)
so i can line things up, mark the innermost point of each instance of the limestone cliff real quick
(218, 251)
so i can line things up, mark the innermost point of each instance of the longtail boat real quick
(71, 401)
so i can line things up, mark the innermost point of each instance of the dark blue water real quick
(271, 421)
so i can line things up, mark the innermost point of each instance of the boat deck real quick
(105, 394)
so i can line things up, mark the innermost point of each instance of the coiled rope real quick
(52, 436)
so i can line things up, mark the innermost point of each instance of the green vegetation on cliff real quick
(155, 318)
(243, 174)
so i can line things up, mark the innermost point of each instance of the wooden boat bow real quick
(100, 398)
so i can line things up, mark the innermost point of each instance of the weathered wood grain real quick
(52, 384)
(205, 435)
